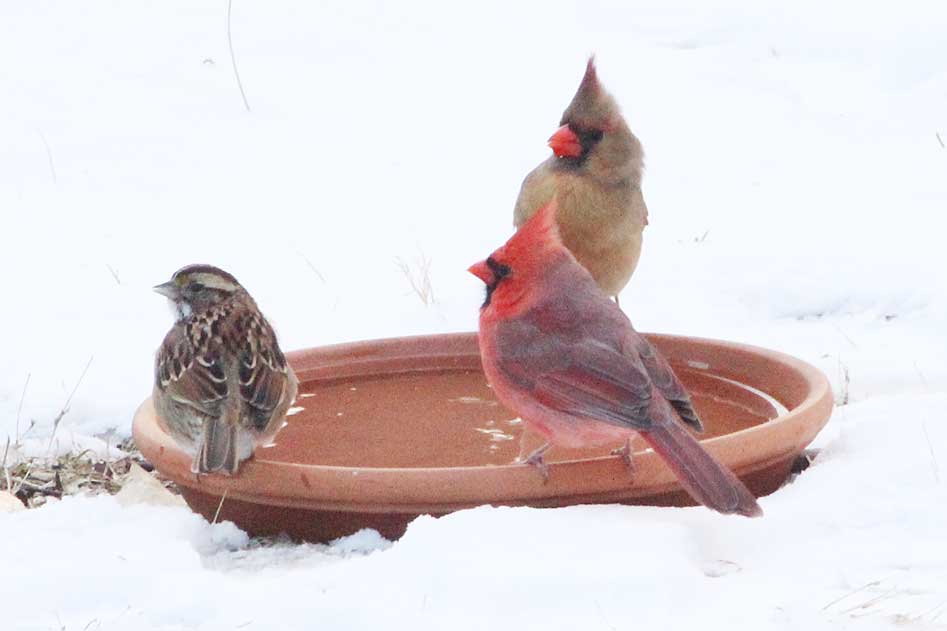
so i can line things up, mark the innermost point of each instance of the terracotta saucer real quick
(386, 430)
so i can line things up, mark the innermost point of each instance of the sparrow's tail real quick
(708, 481)
(219, 448)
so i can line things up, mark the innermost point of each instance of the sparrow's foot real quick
(195, 467)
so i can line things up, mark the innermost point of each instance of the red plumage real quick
(563, 356)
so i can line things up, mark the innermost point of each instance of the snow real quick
(796, 184)
(870, 514)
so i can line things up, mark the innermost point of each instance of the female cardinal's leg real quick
(535, 459)
(626, 455)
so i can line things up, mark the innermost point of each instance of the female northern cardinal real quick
(563, 356)
(595, 173)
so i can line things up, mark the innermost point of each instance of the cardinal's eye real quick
(587, 137)
(500, 271)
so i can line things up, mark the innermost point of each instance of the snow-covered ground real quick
(797, 183)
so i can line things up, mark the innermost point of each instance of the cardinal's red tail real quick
(708, 481)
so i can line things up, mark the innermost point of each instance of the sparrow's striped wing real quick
(265, 380)
(196, 380)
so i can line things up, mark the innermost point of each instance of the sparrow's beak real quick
(565, 144)
(169, 289)
(482, 271)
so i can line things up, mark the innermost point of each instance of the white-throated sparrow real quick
(222, 384)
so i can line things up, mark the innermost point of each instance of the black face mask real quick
(500, 271)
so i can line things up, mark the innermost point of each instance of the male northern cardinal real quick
(595, 173)
(564, 357)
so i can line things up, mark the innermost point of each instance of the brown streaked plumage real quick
(222, 384)
(595, 174)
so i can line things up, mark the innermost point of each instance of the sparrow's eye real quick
(195, 287)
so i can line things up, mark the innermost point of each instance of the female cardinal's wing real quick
(583, 377)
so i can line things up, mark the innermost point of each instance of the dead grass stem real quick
(419, 277)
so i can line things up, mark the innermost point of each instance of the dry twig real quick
(65, 407)
(420, 278)
(233, 59)
(19, 408)
(219, 506)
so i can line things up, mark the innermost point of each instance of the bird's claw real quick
(536, 459)
(541, 466)
(627, 456)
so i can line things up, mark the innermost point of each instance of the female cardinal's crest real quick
(591, 107)
(590, 86)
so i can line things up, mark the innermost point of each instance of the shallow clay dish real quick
(386, 430)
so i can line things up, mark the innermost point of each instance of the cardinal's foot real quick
(627, 456)
(536, 459)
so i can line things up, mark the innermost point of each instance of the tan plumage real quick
(602, 212)
(222, 384)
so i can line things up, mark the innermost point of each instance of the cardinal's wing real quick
(581, 377)
(667, 383)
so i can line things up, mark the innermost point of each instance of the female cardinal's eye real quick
(588, 137)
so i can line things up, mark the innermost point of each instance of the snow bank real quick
(855, 540)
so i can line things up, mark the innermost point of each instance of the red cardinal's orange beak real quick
(482, 271)
(565, 144)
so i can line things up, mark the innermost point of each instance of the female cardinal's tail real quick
(708, 481)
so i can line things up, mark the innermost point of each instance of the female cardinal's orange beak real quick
(482, 271)
(565, 144)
